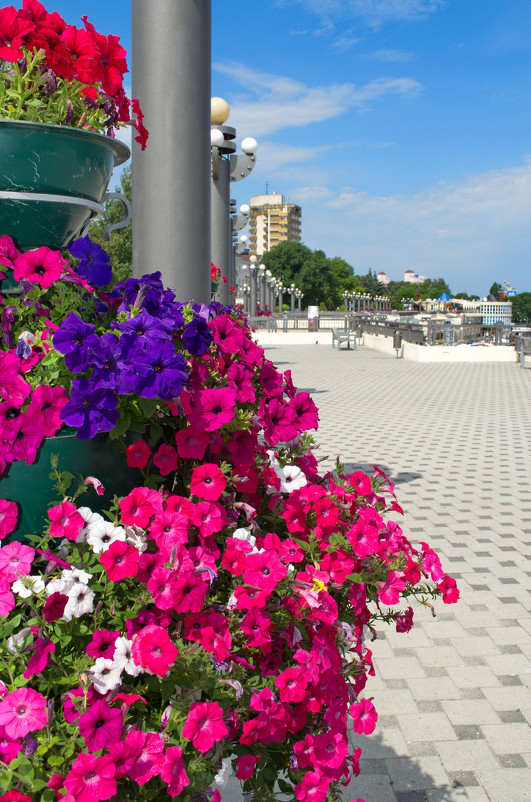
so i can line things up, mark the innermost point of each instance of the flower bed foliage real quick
(52, 72)
(219, 616)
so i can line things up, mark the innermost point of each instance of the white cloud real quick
(274, 155)
(373, 12)
(274, 102)
(392, 56)
(468, 231)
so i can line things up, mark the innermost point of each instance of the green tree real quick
(286, 261)
(120, 247)
(432, 288)
(521, 307)
(466, 297)
(495, 289)
(371, 285)
(317, 281)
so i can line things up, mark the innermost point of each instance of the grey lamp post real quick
(272, 284)
(346, 297)
(280, 297)
(299, 300)
(292, 290)
(238, 221)
(252, 296)
(246, 290)
(171, 206)
(226, 167)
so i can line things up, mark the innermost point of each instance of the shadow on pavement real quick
(400, 478)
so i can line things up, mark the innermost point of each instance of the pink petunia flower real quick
(41, 266)
(15, 558)
(391, 589)
(65, 521)
(166, 459)
(364, 717)
(191, 442)
(204, 725)
(264, 571)
(100, 726)
(45, 407)
(313, 788)
(207, 482)
(404, 621)
(292, 685)
(91, 778)
(8, 517)
(136, 508)
(189, 592)
(173, 771)
(39, 659)
(138, 454)
(245, 766)
(148, 755)
(102, 644)
(120, 560)
(23, 711)
(153, 650)
(214, 408)
(449, 590)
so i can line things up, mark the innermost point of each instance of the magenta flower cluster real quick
(219, 618)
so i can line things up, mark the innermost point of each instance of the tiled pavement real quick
(454, 694)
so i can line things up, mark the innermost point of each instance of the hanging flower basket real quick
(52, 180)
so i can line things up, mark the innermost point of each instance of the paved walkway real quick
(453, 694)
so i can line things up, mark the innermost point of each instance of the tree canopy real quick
(521, 307)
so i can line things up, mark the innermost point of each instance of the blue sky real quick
(401, 127)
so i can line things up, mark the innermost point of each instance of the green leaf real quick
(149, 405)
(285, 787)
(122, 425)
(155, 434)
(56, 760)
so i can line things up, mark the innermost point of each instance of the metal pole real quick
(171, 192)
(252, 295)
(220, 225)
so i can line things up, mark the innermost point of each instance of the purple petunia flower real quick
(75, 339)
(94, 262)
(108, 360)
(90, 409)
(148, 329)
(162, 372)
(196, 336)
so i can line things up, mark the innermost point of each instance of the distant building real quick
(272, 220)
(492, 312)
(413, 278)
(382, 277)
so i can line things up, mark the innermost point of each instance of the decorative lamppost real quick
(299, 299)
(246, 290)
(292, 290)
(171, 207)
(280, 297)
(253, 267)
(346, 296)
(270, 281)
(226, 167)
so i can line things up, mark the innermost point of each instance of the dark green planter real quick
(32, 489)
(54, 160)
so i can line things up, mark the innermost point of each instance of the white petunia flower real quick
(291, 478)
(244, 534)
(80, 601)
(76, 575)
(28, 585)
(105, 675)
(14, 642)
(58, 585)
(123, 658)
(103, 534)
(136, 537)
(91, 519)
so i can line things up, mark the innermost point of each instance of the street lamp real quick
(292, 290)
(299, 299)
(280, 297)
(253, 267)
(227, 166)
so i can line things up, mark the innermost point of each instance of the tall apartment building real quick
(272, 220)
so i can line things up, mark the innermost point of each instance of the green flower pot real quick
(67, 170)
(31, 487)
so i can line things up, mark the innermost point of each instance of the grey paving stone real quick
(463, 778)
(512, 761)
